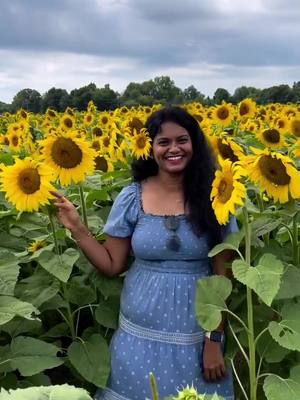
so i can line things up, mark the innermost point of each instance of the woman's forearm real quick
(95, 252)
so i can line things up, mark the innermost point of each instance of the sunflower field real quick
(57, 314)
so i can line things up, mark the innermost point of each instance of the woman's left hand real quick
(213, 361)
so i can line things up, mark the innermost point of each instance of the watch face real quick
(216, 336)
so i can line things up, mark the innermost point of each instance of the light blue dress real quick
(158, 331)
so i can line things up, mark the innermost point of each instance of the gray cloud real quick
(144, 37)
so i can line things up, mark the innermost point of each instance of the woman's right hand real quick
(67, 214)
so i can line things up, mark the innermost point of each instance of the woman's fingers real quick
(214, 373)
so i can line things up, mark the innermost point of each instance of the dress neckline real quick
(140, 200)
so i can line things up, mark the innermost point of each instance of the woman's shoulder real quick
(129, 195)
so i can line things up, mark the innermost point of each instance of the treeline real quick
(158, 90)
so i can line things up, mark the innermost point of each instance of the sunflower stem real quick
(153, 384)
(83, 206)
(261, 207)
(251, 339)
(295, 240)
(53, 232)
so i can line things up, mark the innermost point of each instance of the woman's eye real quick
(183, 140)
(163, 143)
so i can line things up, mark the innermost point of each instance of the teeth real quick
(174, 157)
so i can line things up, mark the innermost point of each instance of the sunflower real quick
(223, 114)
(67, 122)
(22, 114)
(275, 173)
(104, 120)
(227, 148)
(246, 108)
(27, 184)
(132, 126)
(97, 131)
(108, 143)
(15, 140)
(71, 158)
(227, 191)
(271, 137)
(103, 164)
(36, 245)
(50, 114)
(141, 144)
(282, 123)
(88, 118)
(294, 127)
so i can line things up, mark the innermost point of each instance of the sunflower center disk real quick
(226, 151)
(65, 153)
(271, 135)
(141, 143)
(274, 170)
(101, 164)
(15, 140)
(244, 109)
(29, 180)
(225, 190)
(295, 127)
(223, 113)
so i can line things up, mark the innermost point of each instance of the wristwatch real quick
(215, 336)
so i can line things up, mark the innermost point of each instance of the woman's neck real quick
(171, 183)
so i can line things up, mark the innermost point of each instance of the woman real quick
(165, 217)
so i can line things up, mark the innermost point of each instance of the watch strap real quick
(215, 336)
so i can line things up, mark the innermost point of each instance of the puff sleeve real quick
(123, 214)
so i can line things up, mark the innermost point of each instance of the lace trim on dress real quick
(160, 336)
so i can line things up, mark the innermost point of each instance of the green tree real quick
(165, 90)
(79, 98)
(106, 98)
(296, 91)
(4, 107)
(245, 92)
(221, 95)
(52, 99)
(28, 99)
(192, 94)
(276, 94)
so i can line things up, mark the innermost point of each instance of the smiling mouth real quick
(174, 158)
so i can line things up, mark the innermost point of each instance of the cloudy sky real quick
(207, 43)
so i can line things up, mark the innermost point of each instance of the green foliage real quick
(91, 359)
(277, 388)
(63, 392)
(264, 279)
(211, 295)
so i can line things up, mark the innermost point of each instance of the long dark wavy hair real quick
(198, 175)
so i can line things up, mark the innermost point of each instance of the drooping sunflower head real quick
(71, 158)
(227, 190)
(275, 173)
(226, 148)
(27, 184)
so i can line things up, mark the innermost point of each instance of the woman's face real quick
(172, 148)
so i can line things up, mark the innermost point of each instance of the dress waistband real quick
(160, 336)
(196, 267)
